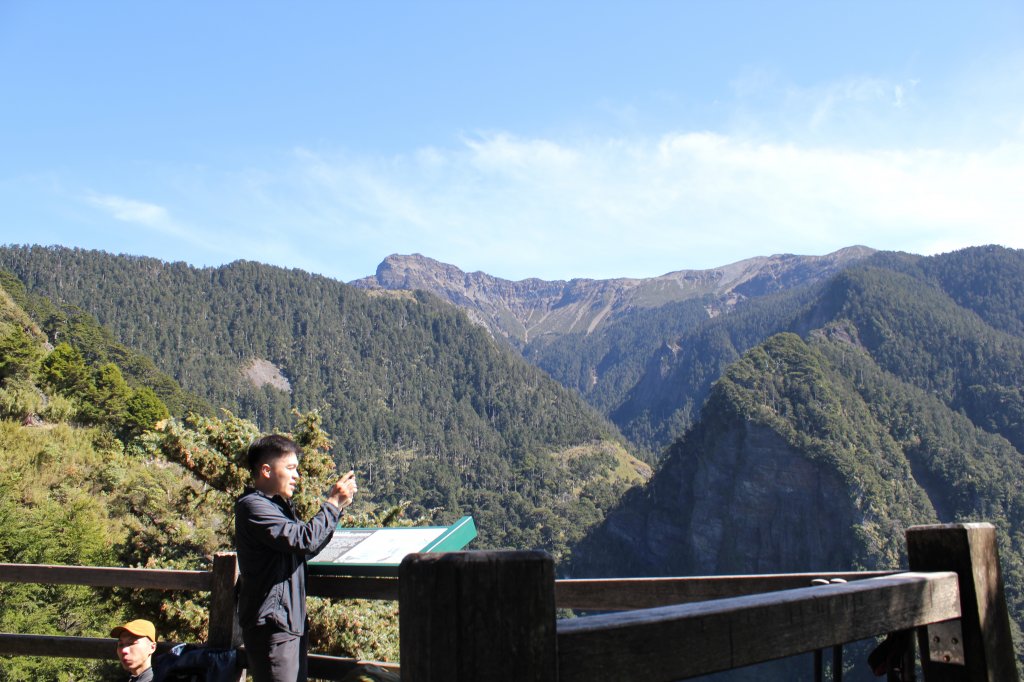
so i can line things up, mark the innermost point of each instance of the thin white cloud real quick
(794, 168)
(853, 94)
(522, 206)
(131, 211)
(157, 220)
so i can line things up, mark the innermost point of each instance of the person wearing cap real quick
(136, 642)
(273, 545)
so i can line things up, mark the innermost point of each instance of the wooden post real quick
(480, 615)
(225, 633)
(224, 630)
(983, 637)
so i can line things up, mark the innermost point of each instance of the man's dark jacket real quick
(273, 545)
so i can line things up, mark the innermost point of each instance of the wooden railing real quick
(485, 615)
(219, 582)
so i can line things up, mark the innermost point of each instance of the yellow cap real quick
(139, 628)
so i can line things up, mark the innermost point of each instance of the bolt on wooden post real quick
(983, 636)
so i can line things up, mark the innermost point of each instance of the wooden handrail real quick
(337, 587)
(574, 635)
(350, 587)
(622, 594)
(736, 632)
(102, 576)
(324, 667)
(101, 648)
(496, 610)
(594, 594)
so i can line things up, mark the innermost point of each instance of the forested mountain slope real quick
(71, 486)
(421, 401)
(96, 345)
(668, 386)
(897, 402)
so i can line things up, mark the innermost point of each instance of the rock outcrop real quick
(750, 503)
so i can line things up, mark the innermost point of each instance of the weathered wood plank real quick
(224, 631)
(99, 576)
(320, 666)
(338, 587)
(620, 594)
(473, 616)
(686, 640)
(971, 550)
(323, 667)
(64, 647)
(345, 587)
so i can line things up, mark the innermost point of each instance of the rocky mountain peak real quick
(526, 309)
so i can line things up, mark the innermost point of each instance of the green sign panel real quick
(379, 551)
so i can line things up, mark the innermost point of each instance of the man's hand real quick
(343, 491)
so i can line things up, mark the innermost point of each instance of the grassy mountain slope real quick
(664, 400)
(533, 309)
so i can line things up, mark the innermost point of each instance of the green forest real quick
(429, 410)
(96, 473)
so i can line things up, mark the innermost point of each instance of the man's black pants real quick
(275, 655)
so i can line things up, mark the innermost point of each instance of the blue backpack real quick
(195, 663)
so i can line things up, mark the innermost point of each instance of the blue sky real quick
(524, 139)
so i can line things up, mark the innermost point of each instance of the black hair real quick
(268, 448)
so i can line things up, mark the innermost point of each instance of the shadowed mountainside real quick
(895, 399)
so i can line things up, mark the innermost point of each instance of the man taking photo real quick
(273, 545)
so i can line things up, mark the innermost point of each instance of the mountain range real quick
(526, 310)
(606, 338)
(800, 412)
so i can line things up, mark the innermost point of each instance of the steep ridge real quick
(926, 319)
(783, 468)
(893, 404)
(669, 386)
(525, 310)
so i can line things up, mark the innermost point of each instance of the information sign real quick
(379, 551)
